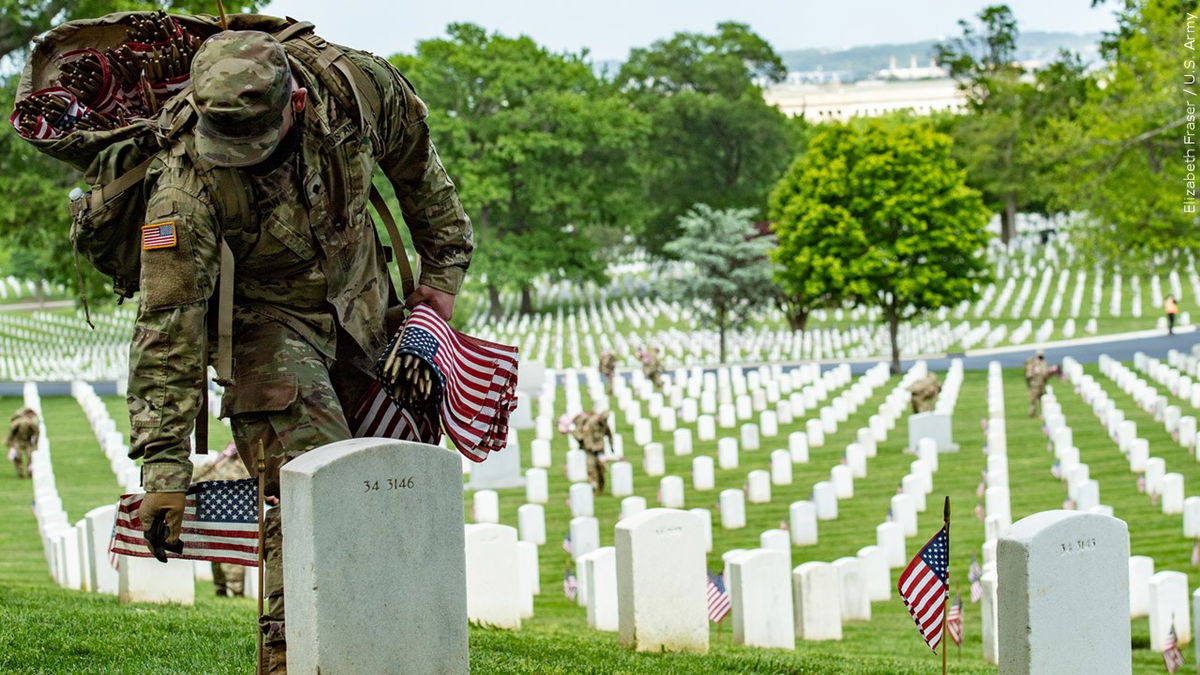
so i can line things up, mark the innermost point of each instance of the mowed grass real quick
(46, 629)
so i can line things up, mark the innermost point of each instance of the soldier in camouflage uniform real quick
(228, 579)
(590, 429)
(608, 369)
(311, 288)
(652, 366)
(924, 392)
(1036, 373)
(23, 429)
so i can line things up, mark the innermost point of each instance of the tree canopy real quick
(730, 275)
(543, 154)
(713, 139)
(877, 213)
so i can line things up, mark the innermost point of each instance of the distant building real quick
(868, 98)
(913, 71)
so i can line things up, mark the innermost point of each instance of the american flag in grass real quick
(924, 586)
(220, 523)
(718, 599)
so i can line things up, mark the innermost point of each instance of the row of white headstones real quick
(55, 347)
(1162, 596)
(820, 609)
(83, 562)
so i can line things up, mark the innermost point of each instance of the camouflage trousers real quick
(23, 457)
(595, 472)
(921, 404)
(1035, 400)
(229, 580)
(289, 398)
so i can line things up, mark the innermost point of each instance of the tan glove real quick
(170, 505)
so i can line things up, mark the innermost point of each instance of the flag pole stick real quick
(946, 604)
(261, 466)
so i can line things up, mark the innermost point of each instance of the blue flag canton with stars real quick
(227, 501)
(717, 581)
(936, 555)
(423, 345)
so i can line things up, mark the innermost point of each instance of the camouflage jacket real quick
(22, 430)
(608, 364)
(591, 428)
(1036, 372)
(305, 264)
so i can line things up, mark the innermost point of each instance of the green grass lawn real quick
(46, 629)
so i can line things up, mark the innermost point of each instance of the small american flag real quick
(220, 523)
(379, 417)
(980, 489)
(923, 587)
(1196, 554)
(1141, 483)
(570, 586)
(954, 621)
(476, 381)
(112, 555)
(718, 600)
(1172, 658)
(1056, 470)
(566, 545)
(158, 235)
(979, 512)
(975, 576)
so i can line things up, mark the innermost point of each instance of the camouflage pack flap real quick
(80, 148)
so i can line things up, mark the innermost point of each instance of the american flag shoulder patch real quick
(159, 235)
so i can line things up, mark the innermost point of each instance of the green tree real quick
(713, 139)
(544, 153)
(989, 138)
(1128, 157)
(877, 213)
(730, 275)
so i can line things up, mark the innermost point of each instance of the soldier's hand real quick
(170, 506)
(441, 301)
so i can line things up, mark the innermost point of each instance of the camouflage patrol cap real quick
(241, 83)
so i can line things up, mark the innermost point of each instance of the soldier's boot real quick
(272, 624)
(1033, 407)
(274, 658)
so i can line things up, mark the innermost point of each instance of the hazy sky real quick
(611, 27)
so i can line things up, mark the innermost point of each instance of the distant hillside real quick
(857, 63)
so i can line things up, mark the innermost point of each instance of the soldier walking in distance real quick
(23, 430)
(652, 365)
(924, 392)
(608, 369)
(590, 430)
(311, 289)
(228, 579)
(1036, 373)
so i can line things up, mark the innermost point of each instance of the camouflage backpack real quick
(76, 103)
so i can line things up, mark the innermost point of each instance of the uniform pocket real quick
(260, 393)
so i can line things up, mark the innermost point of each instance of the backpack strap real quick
(326, 59)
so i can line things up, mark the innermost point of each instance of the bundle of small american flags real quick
(220, 524)
(924, 586)
(474, 386)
